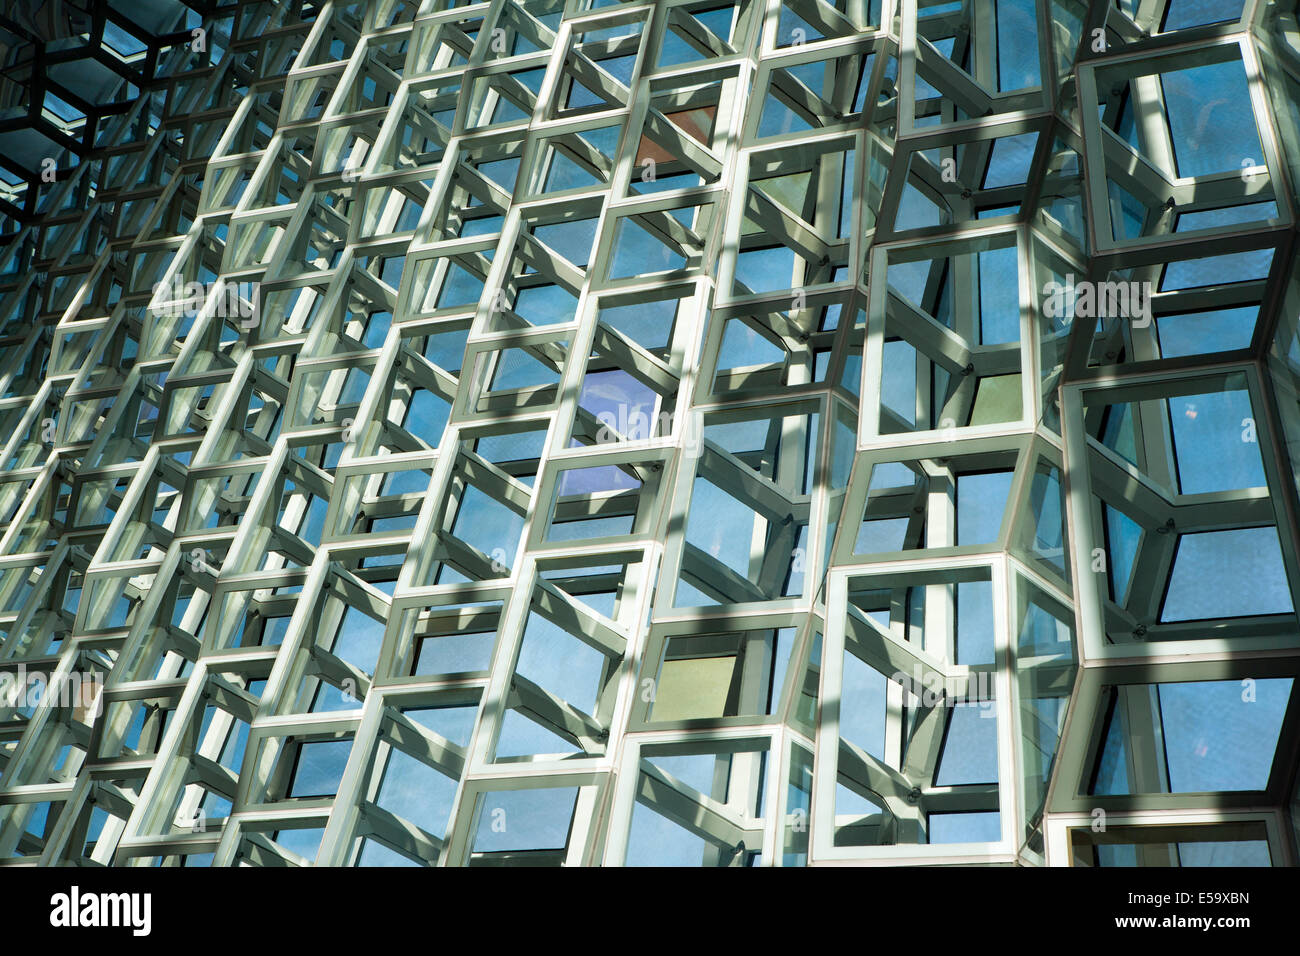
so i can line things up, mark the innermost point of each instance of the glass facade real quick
(690, 432)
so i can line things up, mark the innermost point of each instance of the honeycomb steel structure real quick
(752, 433)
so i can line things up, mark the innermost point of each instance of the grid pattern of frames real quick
(695, 432)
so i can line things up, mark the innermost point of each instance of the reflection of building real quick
(899, 565)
